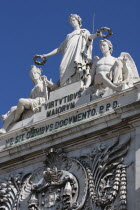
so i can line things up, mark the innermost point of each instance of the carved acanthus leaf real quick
(57, 157)
(107, 173)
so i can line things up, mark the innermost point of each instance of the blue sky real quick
(30, 27)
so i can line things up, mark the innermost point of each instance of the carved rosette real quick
(94, 181)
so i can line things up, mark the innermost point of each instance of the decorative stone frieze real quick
(98, 178)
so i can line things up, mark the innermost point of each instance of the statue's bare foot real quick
(3, 117)
(83, 88)
(2, 131)
(119, 88)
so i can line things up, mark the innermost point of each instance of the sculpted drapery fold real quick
(74, 49)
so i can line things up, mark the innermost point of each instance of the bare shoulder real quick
(96, 59)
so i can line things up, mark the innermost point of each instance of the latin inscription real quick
(34, 132)
(63, 104)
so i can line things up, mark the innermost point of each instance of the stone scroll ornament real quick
(94, 181)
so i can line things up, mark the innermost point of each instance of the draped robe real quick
(72, 49)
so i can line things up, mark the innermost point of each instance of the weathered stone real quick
(81, 149)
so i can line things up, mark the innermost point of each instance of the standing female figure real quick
(76, 50)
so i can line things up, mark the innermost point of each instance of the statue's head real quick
(77, 18)
(35, 73)
(106, 43)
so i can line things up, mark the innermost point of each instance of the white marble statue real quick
(77, 52)
(38, 96)
(114, 73)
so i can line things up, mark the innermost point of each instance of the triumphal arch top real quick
(75, 144)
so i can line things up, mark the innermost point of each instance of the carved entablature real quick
(93, 181)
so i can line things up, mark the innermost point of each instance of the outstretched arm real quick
(90, 38)
(54, 52)
(93, 36)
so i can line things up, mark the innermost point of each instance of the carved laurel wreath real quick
(100, 32)
(39, 62)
